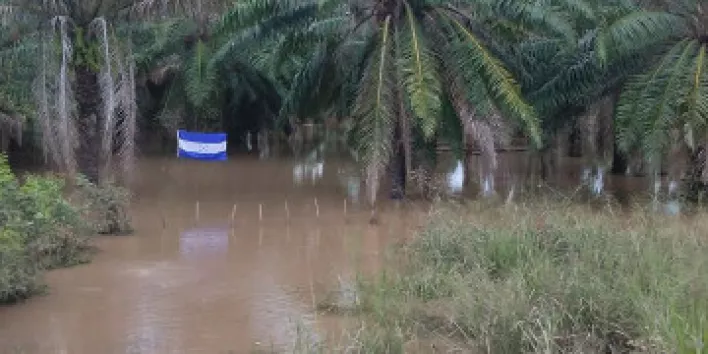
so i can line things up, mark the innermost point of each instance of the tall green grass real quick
(542, 278)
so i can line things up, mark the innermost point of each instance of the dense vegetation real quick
(45, 225)
(549, 277)
(400, 76)
(40, 230)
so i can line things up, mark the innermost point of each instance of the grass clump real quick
(546, 278)
(39, 229)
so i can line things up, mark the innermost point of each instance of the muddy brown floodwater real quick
(182, 285)
(192, 281)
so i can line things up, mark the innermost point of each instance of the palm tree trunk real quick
(398, 167)
(696, 189)
(619, 162)
(88, 98)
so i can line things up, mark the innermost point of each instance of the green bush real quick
(545, 278)
(106, 206)
(39, 229)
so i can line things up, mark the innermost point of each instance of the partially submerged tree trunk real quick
(596, 127)
(86, 104)
(88, 99)
(696, 176)
(620, 163)
(398, 167)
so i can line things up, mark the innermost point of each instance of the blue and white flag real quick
(201, 146)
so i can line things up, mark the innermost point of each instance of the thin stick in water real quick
(287, 210)
(317, 208)
(345, 206)
(260, 212)
(196, 210)
(233, 213)
(312, 295)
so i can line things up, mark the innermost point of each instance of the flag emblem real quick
(201, 146)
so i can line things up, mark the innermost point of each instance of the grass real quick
(540, 277)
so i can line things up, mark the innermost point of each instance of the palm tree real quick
(574, 81)
(663, 111)
(85, 87)
(409, 72)
(201, 92)
(15, 108)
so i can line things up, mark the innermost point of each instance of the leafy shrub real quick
(39, 229)
(105, 206)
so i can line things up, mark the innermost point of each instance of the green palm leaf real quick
(200, 76)
(635, 31)
(695, 110)
(419, 76)
(374, 113)
(474, 61)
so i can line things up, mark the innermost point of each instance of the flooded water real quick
(191, 280)
(227, 257)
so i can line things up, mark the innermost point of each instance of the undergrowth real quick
(105, 206)
(542, 278)
(39, 230)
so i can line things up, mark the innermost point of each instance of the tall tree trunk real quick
(696, 188)
(620, 163)
(398, 167)
(575, 148)
(88, 98)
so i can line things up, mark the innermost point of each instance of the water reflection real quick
(596, 181)
(456, 178)
(204, 242)
(308, 171)
(280, 316)
(311, 168)
(487, 182)
(351, 182)
(672, 206)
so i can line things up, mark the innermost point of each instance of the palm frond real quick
(526, 17)
(258, 20)
(374, 114)
(475, 62)
(306, 82)
(648, 108)
(695, 108)
(635, 31)
(420, 76)
(200, 76)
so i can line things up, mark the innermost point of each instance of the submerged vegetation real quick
(42, 229)
(401, 78)
(542, 278)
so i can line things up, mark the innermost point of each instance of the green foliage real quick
(39, 230)
(663, 107)
(105, 206)
(386, 68)
(420, 76)
(86, 52)
(545, 279)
